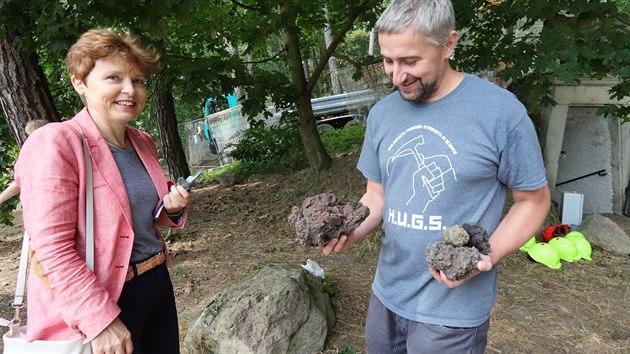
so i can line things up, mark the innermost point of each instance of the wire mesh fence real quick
(206, 141)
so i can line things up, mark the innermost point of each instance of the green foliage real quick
(279, 149)
(275, 248)
(355, 47)
(327, 285)
(623, 5)
(8, 154)
(215, 173)
(263, 149)
(179, 235)
(534, 43)
(346, 350)
(340, 140)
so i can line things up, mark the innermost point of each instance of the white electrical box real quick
(571, 208)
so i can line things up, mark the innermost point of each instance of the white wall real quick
(586, 148)
(578, 142)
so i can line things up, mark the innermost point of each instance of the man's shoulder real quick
(491, 95)
(387, 101)
(482, 85)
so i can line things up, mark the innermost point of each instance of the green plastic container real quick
(583, 247)
(565, 248)
(529, 244)
(545, 254)
(575, 234)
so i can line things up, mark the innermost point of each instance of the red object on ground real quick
(555, 231)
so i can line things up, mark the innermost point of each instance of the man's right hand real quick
(114, 339)
(338, 245)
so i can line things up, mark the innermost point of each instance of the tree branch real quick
(268, 59)
(622, 20)
(344, 57)
(248, 7)
(355, 12)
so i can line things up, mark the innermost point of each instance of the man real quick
(443, 150)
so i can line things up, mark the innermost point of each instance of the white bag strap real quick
(89, 207)
(18, 300)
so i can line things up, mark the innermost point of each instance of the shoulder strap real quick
(89, 207)
(89, 202)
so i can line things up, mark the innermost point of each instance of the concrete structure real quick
(579, 142)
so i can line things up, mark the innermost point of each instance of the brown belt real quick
(144, 266)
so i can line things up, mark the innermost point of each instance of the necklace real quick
(120, 146)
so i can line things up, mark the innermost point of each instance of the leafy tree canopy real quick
(532, 43)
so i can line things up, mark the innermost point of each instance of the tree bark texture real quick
(317, 156)
(24, 91)
(171, 144)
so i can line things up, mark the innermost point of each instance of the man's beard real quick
(422, 93)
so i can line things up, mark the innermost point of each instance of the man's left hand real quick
(484, 265)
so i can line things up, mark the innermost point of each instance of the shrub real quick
(340, 140)
(8, 154)
(263, 149)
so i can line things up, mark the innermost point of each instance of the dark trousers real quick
(388, 333)
(148, 311)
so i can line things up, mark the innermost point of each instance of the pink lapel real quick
(103, 161)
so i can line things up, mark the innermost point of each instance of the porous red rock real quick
(323, 217)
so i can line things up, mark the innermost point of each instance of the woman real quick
(127, 305)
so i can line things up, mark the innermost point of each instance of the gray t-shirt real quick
(143, 198)
(443, 163)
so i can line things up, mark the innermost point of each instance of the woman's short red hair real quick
(101, 43)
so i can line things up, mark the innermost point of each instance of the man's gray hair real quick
(435, 19)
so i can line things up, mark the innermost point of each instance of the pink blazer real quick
(51, 174)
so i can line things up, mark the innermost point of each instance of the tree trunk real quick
(372, 41)
(171, 144)
(24, 92)
(332, 61)
(317, 157)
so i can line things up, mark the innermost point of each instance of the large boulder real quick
(230, 179)
(605, 233)
(281, 308)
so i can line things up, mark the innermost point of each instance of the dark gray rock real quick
(455, 262)
(230, 179)
(279, 309)
(478, 237)
(323, 217)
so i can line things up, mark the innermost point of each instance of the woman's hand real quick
(177, 199)
(114, 339)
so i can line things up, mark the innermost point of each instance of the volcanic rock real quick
(459, 254)
(456, 236)
(478, 237)
(455, 262)
(323, 217)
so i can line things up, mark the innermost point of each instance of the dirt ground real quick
(583, 307)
